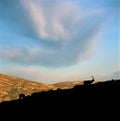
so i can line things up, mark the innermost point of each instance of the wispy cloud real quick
(55, 21)
(63, 32)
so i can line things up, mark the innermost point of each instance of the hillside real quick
(11, 87)
(82, 101)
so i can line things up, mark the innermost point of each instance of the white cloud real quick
(37, 17)
(56, 21)
(70, 33)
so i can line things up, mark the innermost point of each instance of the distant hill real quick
(11, 87)
(68, 84)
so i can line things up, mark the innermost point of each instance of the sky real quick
(50, 41)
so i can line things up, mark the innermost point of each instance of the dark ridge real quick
(102, 97)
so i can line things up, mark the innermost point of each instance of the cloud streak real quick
(62, 32)
(56, 22)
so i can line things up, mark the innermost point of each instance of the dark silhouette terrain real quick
(21, 96)
(82, 99)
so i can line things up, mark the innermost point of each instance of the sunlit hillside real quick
(11, 87)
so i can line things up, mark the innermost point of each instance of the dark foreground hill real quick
(96, 99)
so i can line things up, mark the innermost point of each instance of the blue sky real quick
(60, 40)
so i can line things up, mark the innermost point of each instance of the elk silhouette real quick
(88, 82)
(21, 96)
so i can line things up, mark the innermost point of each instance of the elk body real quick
(88, 82)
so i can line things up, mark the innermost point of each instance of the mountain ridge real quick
(16, 85)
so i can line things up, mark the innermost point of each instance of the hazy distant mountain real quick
(68, 84)
(11, 87)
